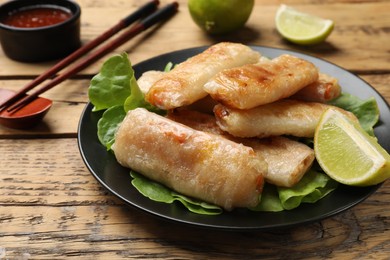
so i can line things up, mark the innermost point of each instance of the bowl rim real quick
(75, 11)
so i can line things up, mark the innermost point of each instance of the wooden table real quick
(52, 207)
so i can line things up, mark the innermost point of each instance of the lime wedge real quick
(347, 153)
(302, 28)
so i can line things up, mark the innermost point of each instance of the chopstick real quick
(123, 23)
(144, 24)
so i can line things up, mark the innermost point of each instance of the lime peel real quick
(218, 17)
(302, 28)
(347, 153)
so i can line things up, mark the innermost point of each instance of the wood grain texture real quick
(70, 96)
(51, 207)
(359, 41)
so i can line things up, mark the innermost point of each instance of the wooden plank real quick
(118, 232)
(72, 95)
(51, 207)
(46, 172)
(359, 41)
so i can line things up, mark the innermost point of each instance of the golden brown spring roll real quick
(183, 85)
(198, 121)
(322, 90)
(148, 78)
(283, 117)
(194, 163)
(204, 105)
(252, 85)
(287, 160)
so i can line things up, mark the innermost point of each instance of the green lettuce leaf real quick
(116, 90)
(269, 200)
(366, 111)
(137, 99)
(313, 186)
(160, 193)
(169, 67)
(108, 124)
(111, 86)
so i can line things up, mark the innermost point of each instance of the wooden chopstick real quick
(155, 17)
(152, 19)
(143, 11)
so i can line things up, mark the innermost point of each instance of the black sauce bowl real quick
(40, 43)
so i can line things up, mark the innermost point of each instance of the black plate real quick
(116, 179)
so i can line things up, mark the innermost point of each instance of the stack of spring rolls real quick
(233, 117)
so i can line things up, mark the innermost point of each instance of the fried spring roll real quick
(183, 85)
(204, 105)
(148, 78)
(283, 117)
(287, 160)
(194, 163)
(252, 85)
(198, 121)
(322, 90)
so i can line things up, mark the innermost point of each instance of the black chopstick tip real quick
(161, 14)
(154, 17)
(176, 4)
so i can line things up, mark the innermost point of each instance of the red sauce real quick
(36, 17)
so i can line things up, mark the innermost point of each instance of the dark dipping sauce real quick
(36, 16)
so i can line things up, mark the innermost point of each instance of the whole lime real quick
(220, 16)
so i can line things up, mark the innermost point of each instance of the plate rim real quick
(88, 108)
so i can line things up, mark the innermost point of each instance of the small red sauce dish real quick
(26, 117)
(39, 30)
